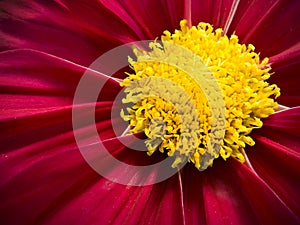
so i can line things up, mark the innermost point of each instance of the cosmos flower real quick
(47, 46)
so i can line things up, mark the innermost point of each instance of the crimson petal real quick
(157, 15)
(137, 207)
(277, 157)
(35, 73)
(215, 197)
(287, 70)
(37, 104)
(33, 178)
(271, 26)
(67, 29)
(266, 204)
(52, 193)
(213, 12)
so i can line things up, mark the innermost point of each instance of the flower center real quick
(181, 117)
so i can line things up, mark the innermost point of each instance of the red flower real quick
(46, 48)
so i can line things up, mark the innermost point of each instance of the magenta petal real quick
(214, 12)
(132, 205)
(287, 70)
(280, 170)
(271, 26)
(277, 156)
(26, 139)
(215, 197)
(40, 179)
(192, 184)
(40, 127)
(157, 15)
(266, 204)
(37, 92)
(164, 204)
(37, 186)
(287, 55)
(55, 186)
(74, 30)
(39, 80)
(285, 121)
(104, 202)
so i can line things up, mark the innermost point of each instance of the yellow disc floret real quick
(240, 75)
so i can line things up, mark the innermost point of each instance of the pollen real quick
(198, 112)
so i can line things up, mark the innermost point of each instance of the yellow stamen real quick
(239, 73)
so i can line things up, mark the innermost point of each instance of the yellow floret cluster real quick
(240, 75)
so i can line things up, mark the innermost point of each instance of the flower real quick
(48, 46)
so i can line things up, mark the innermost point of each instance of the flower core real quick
(240, 75)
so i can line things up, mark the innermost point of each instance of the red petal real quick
(40, 178)
(138, 207)
(266, 204)
(271, 26)
(148, 18)
(134, 205)
(74, 30)
(32, 80)
(49, 183)
(192, 182)
(277, 156)
(104, 202)
(37, 96)
(45, 177)
(213, 12)
(285, 121)
(287, 70)
(163, 205)
(215, 197)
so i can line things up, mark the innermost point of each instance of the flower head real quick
(47, 48)
(240, 78)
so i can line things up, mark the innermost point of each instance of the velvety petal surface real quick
(79, 31)
(287, 70)
(43, 177)
(215, 197)
(157, 15)
(271, 26)
(37, 91)
(48, 182)
(265, 203)
(277, 157)
(213, 12)
(54, 185)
